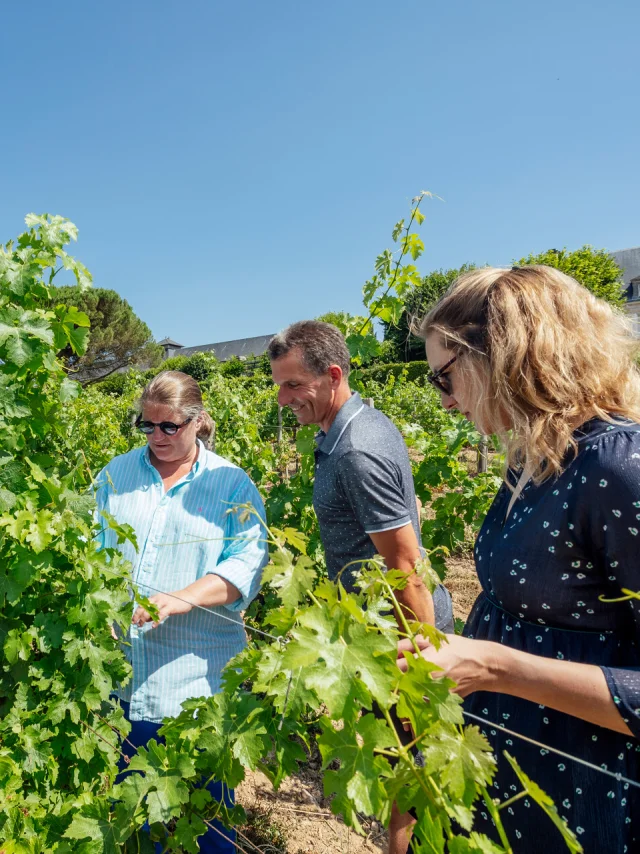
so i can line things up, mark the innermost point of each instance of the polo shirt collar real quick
(327, 442)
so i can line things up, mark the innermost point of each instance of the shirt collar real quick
(327, 442)
(196, 468)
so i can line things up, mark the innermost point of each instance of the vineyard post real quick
(483, 455)
(279, 436)
(369, 402)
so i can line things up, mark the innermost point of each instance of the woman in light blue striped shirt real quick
(178, 496)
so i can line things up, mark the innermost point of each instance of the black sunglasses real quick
(167, 427)
(439, 380)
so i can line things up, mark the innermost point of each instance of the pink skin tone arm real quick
(399, 548)
(207, 592)
(475, 665)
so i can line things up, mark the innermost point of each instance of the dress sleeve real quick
(613, 475)
(246, 551)
(373, 487)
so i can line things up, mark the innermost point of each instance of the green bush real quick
(415, 371)
(235, 367)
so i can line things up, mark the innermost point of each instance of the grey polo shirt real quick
(364, 485)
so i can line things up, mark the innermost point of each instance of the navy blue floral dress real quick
(566, 543)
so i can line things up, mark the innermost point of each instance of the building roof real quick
(629, 260)
(169, 342)
(224, 350)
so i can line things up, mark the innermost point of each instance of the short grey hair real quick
(321, 345)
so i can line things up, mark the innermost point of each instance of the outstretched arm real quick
(207, 592)
(580, 690)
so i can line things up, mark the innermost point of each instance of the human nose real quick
(448, 401)
(284, 396)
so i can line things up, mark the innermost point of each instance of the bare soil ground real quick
(299, 809)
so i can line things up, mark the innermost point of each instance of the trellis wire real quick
(619, 777)
(282, 640)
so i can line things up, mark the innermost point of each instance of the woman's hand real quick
(473, 664)
(167, 606)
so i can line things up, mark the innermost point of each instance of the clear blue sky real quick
(235, 166)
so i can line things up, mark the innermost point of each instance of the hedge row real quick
(381, 373)
(201, 366)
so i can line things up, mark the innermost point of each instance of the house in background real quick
(629, 261)
(241, 348)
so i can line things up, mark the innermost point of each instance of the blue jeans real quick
(211, 842)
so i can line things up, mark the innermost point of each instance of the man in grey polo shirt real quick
(363, 491)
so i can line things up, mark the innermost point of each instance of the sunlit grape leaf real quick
(547, 805)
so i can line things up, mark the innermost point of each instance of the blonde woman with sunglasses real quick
(550, 649)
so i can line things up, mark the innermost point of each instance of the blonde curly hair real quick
(542, 355)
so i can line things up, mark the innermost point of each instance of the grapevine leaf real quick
(429, 833)
(187, 832)
(286, 688)
(73, 315)
(305, 440)
(343, 667)
(544, 801)
(15, 582)
(124, 533)
(296, 539)
(41, 532)
(165, 797)
(17, 645)
(413, 244)
(163, 783)
(397, 230)
(458, 760)
(54, 231)
(476, 843)
(291, 580)
(418, 684)
(79, 340)
(363, 348)
(50, 630)
(359, 783)
(69, 389)
(96, 821)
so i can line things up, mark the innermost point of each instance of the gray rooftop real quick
(224, 350)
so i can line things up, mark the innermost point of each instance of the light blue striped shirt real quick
(183, 535)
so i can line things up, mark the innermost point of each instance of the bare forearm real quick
(415, 599)
(209, 591)
(575, 689)
(400, 550)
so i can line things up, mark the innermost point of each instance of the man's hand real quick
(400, 550)
(167, 606)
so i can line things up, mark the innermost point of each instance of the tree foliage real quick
(593, 268)
(118, 338)
(406, 346)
